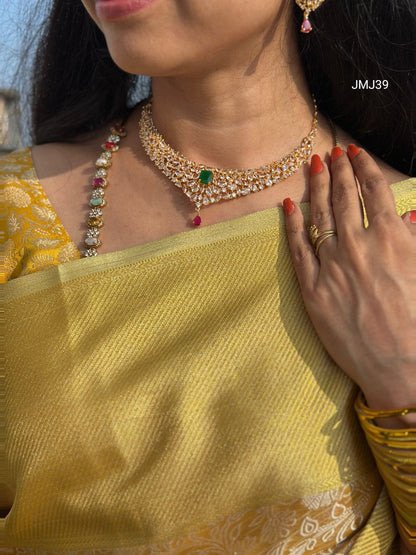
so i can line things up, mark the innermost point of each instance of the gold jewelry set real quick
(394, 450)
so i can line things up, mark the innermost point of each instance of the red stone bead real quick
(197, 220)
(119, 128)
(98, 182)
(109, 145)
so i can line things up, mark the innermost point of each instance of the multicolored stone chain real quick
(97, 202)
(205, 185)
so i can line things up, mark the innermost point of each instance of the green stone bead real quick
(96, 201)
(205, 177)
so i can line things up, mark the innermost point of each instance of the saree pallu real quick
(175, 398)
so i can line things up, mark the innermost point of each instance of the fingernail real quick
(288, 206)
(336, 153)
(316, 165)
(352, 151)
(413, 216)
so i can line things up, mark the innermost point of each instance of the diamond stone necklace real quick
(204, 185)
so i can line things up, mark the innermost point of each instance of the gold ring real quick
(317, 238)
(313, 234)
(323, 237)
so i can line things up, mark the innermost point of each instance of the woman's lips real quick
(117, 9)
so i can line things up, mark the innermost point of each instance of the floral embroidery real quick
(44, 243)
(283, 529)
(14, 224)
(42, 261)
(35, 238)
(16, 197)
(44, 214)
(67, 252)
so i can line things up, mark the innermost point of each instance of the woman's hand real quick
(361, 292)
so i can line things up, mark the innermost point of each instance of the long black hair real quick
(359, 60)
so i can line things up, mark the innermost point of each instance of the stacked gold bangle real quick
(395, 455)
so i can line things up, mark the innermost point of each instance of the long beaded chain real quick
(99, 183)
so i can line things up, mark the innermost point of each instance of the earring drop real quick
(308, 6)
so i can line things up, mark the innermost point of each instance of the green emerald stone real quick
(96, 201)
(205, 177)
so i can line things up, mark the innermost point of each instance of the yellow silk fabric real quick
(174, 398)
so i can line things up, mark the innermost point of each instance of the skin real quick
(234, 95)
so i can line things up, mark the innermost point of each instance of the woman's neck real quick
(244, 114)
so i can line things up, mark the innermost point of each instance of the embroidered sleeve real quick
(32, 237)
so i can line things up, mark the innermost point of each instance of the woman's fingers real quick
(304, 260)
(346, 202)
(376, 192)
(321, 204)
(322, 216)
(336, 205)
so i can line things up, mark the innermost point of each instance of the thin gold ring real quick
(317, 238)
(314, 234)
(323, 237)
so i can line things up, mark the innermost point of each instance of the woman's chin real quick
(155, 64)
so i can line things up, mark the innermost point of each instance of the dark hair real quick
(78, 88)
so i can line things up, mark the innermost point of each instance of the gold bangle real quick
(363, 409)
(395, 455)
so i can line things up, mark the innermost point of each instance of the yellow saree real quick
(174, 398)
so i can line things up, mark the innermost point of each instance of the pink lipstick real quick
(117, 9)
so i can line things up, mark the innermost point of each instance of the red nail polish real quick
(413, 216)
(316, 165)
(352, 151)
(288, 206)
(336, 153)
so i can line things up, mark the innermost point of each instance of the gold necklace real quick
(204, 185)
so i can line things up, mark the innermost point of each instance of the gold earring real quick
(308, 6)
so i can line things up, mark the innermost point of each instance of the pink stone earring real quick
(308, 6)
